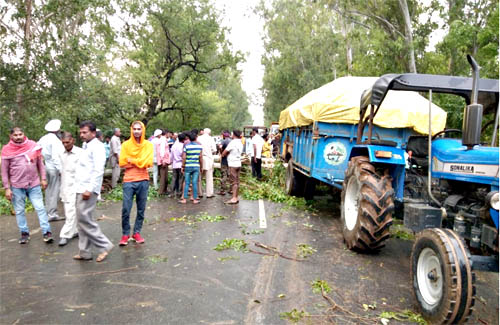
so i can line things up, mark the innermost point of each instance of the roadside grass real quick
(6, 207)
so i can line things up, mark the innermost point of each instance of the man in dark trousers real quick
(136, 157)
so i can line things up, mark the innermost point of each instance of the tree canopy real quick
(169, 62)
(309, 43)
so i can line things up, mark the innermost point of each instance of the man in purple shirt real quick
(22, 168)
(176, 152)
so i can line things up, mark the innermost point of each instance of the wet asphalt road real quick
(177, 277)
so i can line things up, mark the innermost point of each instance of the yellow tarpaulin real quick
(338, 102)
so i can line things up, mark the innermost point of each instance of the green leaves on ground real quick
(399, 231)
(320, 286)
(227, 258)
(271, 187)
(404, 316)
(157, 259)
(294, 315)
(203, 216)
(305, 250)
(238, 245)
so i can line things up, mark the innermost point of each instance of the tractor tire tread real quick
(376, 206)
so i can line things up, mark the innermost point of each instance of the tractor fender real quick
(395, 163)
(373, 152)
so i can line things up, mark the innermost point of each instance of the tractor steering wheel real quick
(446, 131)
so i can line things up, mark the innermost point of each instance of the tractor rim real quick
(429, 276)
(351, 203)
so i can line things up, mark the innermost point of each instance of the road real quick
(177, 277)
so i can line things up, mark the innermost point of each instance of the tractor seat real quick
(420, 150)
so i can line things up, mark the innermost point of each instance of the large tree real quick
(48, 49)
(172, 46)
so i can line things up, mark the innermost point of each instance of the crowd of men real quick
(75, 175)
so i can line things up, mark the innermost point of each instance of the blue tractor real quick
(445, 189)
(451, 197)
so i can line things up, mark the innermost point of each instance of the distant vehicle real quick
(275, 128)
(247, 130)
(247, 133)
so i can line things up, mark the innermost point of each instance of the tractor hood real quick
(452, 160)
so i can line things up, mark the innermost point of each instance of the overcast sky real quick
(246, 36)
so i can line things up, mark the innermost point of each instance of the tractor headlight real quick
(493, 199)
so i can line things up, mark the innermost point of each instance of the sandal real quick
(232, 202)
(196, 202)
(101, 257)
(78, 257)
(182, 201)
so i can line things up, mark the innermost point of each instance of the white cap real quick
(157, 132)
(207, 131)
(53, 125)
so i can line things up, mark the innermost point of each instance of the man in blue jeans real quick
(136, 156)
(22, 168)
(192, 159)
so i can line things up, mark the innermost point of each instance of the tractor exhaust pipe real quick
(473, 113)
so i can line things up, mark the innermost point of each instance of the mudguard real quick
(397, 154)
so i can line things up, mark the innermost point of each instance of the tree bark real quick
(408, 35)
(27, 60)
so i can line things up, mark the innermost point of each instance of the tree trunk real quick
(27, 55)
(344, 26)
(408, 35)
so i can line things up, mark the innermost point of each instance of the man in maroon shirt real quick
(22, 168)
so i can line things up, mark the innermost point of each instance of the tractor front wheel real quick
(442, 277)
(367, 205)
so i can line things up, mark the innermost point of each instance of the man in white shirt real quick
(88, 182)
(51, 152)
(69, 160)
(115, 146)
(156, 139)
(209, 148)
(233, 152)
(256, 154)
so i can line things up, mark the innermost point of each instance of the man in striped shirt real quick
(192, 159)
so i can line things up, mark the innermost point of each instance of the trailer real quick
(386, 149)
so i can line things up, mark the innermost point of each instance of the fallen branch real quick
(105, 272)
(334, 306)
(274, 251)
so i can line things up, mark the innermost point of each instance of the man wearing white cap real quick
(156, 140)
(52, 150)
(209, 148)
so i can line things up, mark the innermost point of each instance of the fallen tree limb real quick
(273, 251)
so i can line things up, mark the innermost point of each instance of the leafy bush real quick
(271, 187)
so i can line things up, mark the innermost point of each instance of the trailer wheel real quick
(309, 188)
(442, 277)
(367, 205)
(294, 183)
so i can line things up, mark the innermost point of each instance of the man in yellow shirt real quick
(136, 157)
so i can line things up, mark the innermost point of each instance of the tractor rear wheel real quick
(294, 181)
(442, 277)
(367, 205)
